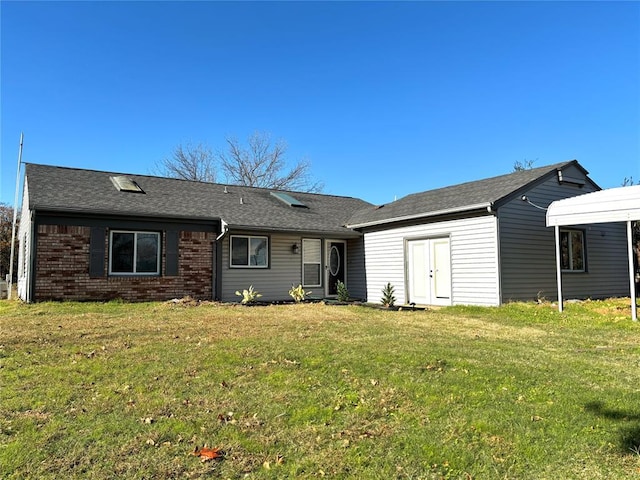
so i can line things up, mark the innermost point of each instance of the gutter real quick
(479, 206)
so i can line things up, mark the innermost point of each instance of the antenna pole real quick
(15, 219)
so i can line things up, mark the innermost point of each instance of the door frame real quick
(431, 284)
(343, 262)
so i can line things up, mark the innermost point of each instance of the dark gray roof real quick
(74, 190)
(455, 199)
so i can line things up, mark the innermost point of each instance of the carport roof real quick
(620, 204)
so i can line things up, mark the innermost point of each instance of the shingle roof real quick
(88, 191)
(454, 199)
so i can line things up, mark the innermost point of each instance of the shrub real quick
(298, 293)
(343, 293)
(248, 296)
(388, 299)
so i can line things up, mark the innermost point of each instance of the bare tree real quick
(525, 164)
(261, 162)
(6, 225)
(189, 162)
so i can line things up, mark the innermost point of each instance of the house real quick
(486, 243)
(92, 235)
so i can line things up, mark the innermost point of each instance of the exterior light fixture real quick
(295, 249)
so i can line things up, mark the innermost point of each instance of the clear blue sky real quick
(384, 99)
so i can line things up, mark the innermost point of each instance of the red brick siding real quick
(62, 269)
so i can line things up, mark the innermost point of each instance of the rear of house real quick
(481, 243)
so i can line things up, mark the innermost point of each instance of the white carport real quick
(612, 205)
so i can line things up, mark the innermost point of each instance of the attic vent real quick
(126, 184)
(288, 199)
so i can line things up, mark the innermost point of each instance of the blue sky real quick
(384, 99)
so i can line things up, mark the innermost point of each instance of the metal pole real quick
(632, 280)
(559, 269)
(15, 219)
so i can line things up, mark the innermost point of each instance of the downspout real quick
(216, 281)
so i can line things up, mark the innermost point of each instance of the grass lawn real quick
(122, 390)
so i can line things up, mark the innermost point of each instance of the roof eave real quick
(119, 213)
(346, 232)
(467, 208)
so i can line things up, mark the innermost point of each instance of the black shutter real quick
(96, 252)
(171, 265)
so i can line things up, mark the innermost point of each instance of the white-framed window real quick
(134, 253)
(311, 262)
(249, 251)
(572, 258)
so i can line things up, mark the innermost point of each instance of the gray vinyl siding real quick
(356, 274)
(474, 265)
(285, 270)
(527, 249)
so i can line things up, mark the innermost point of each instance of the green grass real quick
(122, 390)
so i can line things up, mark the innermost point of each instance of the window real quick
(572, 250)
(311, 262)
(249, 251)
(134, 253)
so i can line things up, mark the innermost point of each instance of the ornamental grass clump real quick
(298, 293)
(249, 295)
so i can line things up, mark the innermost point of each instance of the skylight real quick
(288, 199)
(126, 184)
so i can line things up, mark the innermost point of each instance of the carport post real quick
(558, 268)
(632, 280)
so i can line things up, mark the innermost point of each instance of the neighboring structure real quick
(89, 235)
(613, 205)
(486, 243)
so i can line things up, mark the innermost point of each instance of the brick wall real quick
(62, 269)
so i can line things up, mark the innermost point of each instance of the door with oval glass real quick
(335, 265)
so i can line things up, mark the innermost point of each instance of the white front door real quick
(429, 271)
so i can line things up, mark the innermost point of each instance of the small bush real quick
(248, 296)
(298, 293)
(388, 299)
(343, 293)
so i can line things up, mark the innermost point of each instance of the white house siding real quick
(24, 244)
(527, 249)
(474, 267)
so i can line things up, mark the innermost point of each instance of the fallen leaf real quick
(207, 454)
